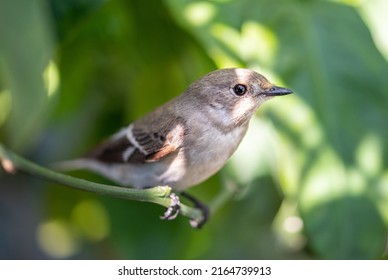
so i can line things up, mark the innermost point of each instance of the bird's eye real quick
(239, 89)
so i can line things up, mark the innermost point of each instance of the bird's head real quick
(232, 95)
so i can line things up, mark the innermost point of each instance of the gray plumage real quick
(187, 139)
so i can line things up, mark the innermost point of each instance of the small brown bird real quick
(189, 138)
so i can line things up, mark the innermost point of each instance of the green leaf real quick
(25, 48)
(349, 227)
(333, 132)
(330, 59)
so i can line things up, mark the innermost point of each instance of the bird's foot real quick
(198, 223)
(172, 210)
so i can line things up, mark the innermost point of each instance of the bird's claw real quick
(174, 208)
(198, 223)
(175, 205)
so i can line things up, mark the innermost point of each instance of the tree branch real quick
(159, 195)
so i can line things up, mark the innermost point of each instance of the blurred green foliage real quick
(309, 181)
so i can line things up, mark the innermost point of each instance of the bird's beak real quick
(276, 91)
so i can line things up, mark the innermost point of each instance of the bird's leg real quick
(173, 209)
(198, 223)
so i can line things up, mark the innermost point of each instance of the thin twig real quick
(158, 195)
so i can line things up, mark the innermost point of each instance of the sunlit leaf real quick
(26, 47)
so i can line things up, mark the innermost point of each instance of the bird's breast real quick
(206, 154)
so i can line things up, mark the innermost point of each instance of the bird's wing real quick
(135, 145)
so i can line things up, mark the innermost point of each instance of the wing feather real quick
(138, 146)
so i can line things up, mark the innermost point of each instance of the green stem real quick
(158, 195)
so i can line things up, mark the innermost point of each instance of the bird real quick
(186, 140)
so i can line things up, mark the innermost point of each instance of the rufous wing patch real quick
(163, 152)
